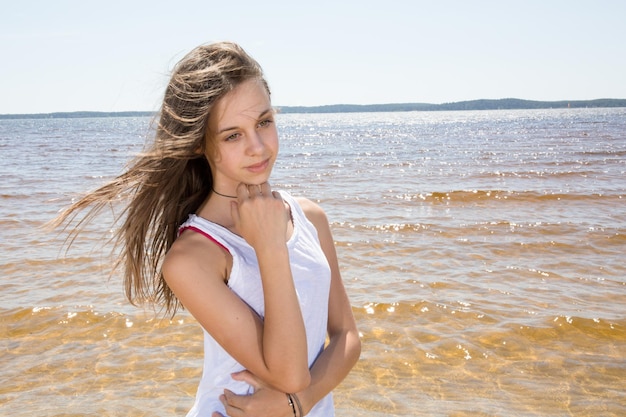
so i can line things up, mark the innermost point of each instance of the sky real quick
(67, 55)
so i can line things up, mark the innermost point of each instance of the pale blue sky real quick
(68, 55)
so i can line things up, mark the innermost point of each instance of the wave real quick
(29, 321)
(545, 228)
(468, 196)
(617, 153)
(81, 320)
(440, 320)
(554, 174)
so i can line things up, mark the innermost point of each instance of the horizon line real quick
(400, 106)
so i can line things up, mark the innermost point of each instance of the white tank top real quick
(311, 275)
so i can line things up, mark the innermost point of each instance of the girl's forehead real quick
(247, 101)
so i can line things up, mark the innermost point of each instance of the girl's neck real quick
(223, 195)
(217, 210)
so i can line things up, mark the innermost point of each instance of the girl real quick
(204, 230)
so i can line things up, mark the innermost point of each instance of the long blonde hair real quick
(163, 185)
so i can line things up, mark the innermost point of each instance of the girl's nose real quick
(255, 143)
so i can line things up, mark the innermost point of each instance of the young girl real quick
(257, 268)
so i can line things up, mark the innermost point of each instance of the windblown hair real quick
(172, 178)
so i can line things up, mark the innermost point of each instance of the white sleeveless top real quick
(311, 274)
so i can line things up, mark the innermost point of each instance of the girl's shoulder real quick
(192, 252)
(313, 212)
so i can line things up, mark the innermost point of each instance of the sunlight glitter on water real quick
(482, 253)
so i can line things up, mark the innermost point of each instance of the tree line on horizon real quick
(483, 104)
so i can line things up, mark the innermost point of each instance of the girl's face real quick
(244, 137)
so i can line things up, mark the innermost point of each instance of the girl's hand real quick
(260, 215)
(264, 402)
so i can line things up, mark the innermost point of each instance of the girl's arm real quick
(344, 347)
(195, 269)
(333, 364)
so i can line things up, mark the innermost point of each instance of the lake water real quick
(483, 253)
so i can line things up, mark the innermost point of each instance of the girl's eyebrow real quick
(261, 115)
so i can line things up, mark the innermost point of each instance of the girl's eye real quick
(265, 123)
(231, 137)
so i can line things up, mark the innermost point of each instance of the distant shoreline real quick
(484, 104)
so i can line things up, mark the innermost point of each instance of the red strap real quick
(202, 232)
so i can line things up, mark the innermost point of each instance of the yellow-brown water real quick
(483, 253)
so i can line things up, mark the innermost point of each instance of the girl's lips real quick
(260, 167)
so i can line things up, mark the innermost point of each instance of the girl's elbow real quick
(294, 382)
(350, 341)
(357, 347)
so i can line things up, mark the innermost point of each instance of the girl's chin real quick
(257, 182)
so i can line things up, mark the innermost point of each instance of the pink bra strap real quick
(202, 232)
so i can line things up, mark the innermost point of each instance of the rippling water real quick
(482, 251)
